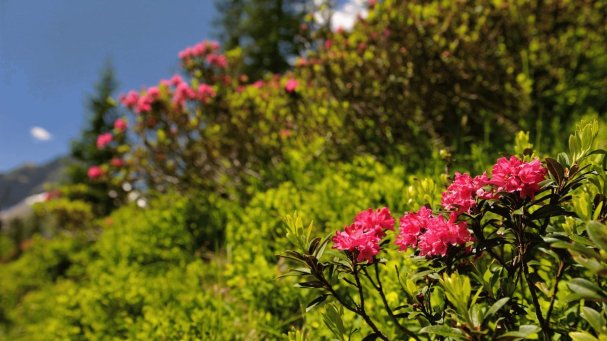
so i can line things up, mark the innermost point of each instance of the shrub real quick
(492, 233)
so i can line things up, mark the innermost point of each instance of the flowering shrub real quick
(394, 85)
(500, 236)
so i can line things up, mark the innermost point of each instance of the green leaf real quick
(310, 284)
(598, 234)
(444, 331)
(321, 248)
(550, 211)
(524, 331)
(594, 318)
(313, 245)
(563, 158)
(582, 336)
(496, 307)
(315, 302)
(583, 288)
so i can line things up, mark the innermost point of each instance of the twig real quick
(559, 274)
(380, 289)
(362, 312)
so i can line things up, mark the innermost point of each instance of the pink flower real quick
(364, 235)
(328, 44)
(205, 92)
(375, 220)
(182, 93)
(212, 45)
(431, 234)
(258, 84)
(120, 125)
(117, 162)
(176, 80)
(442, 233)
(144, 104)
(94, 172)
(411, 226)
(198, 50)
(511, 175)
(291, 85)
(130, 99)
(186, 53)
(461, 195)
(103, 140)
(153, 92)
(219, 61)
(354, 239)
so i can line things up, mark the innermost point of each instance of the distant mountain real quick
(28, 180)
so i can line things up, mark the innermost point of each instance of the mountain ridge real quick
(29, 179)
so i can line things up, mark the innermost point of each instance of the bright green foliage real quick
(415, 70)
(141, 280)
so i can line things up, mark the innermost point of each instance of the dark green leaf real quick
(310, 284)
(496, 307)
(318, 300)
(555, 169)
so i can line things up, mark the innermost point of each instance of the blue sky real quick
(51, 54)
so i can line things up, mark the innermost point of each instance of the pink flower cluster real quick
(207, 50)
(218, 60)
(199, 50)
(461, 195)
(120, 125)
(103, 140)
(94, 172)
(364, 235)
(179, 90)
(509, 175)
(512, 175)
(140, 103)
(431, 234)
(291, 85)
(205, 92)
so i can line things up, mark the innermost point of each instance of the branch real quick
(559, 274)
(390, 313)
(363, 313)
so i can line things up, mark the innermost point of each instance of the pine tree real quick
(102, 114)
(266, 31)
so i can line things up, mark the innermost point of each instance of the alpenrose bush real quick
(491, 263)
(213, 128)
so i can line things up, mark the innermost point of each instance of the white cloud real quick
(40, 134)
(344, 15)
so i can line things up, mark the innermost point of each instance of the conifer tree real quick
(102, 113)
